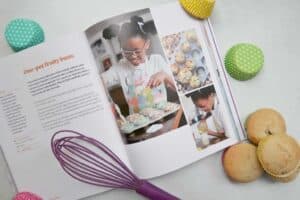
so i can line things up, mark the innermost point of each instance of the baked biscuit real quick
(264, 122)
(241, 164)
(279, 156)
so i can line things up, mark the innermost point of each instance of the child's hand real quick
(157, 79)
(219, 134)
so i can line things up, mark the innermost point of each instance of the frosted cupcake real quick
(160, 105)
(168, 41)
(195, 81)
(175, 68)
(176, 40)
(127, 127)
(189, 64)
(152, 113)
(184, 75)
(180, 57)
(198, 44)
(186, 47)
(191, 36)
(137, 119)
(167, 106)
(169, 53)
(171, 107)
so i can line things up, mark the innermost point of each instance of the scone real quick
(184, 75)
(241, 164)
(189, 64)
(279, 155)
(264, 122)
(180, 57)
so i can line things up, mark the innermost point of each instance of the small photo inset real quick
(204, 114)
(188, 65)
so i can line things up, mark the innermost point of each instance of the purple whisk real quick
(90, 161)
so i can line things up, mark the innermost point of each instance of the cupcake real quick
(189, 64)
(180, 57)
(186, 47)
(168, 106)
(198, 44)
(279, 155)
(127, 127)
(176, 40)
(195, 81)
(169, 53)
(168, 41)
(184, 75)
(160, 105)
(137, 119)
(152, 113)
(191, 36)
(241, 164)
(175, 68)
(264, 122)
(171, 107)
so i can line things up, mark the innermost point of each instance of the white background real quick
(274, 25)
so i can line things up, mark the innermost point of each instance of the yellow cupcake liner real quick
(198, 8)
(283, 177)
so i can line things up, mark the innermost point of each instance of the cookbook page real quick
(44, 89)
(168, 99)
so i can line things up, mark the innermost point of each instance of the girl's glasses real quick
(136, 52)
(133, 52)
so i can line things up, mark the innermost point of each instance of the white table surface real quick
(274, 25)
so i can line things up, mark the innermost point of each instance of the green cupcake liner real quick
(23, 33)
(244, 61)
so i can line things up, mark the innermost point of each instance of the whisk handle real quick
(154, 193)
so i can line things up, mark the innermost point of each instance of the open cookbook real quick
(149, 84)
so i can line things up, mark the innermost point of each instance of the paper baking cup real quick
(23, 33)
(244, 61)
(198, 8)
(288, 176)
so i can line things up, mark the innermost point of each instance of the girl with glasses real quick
(143, 77)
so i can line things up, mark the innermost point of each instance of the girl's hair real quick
(203, 93)
(136, 27)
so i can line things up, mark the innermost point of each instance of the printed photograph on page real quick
(137, 76)
(197, 93)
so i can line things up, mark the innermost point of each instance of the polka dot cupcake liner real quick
(198, 8)
(23, 33)
(244, 61)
